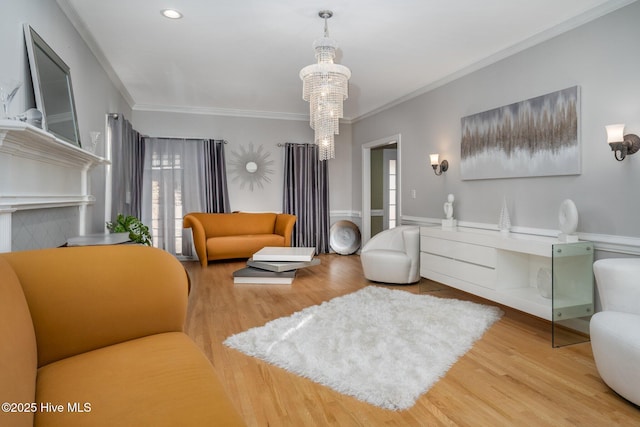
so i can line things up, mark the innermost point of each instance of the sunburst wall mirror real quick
(251, 167)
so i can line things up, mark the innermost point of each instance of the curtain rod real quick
(117, 116)
(186, 139)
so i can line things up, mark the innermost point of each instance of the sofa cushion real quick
(160, 380)
(227, 247)
(18, 353)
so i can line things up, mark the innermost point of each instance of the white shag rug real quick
(385, 347)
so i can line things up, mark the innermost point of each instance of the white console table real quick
(505, 269)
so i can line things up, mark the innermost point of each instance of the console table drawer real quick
(474, 254)
(473, 273)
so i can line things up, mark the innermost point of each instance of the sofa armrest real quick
(84, 298)
(199, 236)
(284, 227)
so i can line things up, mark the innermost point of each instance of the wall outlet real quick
(413, 193)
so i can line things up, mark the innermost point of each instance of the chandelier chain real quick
(325, 14)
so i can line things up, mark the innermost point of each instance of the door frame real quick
(366, 182)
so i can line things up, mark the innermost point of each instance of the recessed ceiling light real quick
(171, 14)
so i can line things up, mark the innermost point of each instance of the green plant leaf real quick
(138, 232)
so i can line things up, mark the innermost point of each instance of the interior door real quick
(384, 201)
(373, 186)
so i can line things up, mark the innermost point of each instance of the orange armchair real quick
(99, 330)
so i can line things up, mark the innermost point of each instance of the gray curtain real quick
(216, 193)
(306, 195)
(127, 165)
(181, 176)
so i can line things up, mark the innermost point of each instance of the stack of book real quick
(275, 265)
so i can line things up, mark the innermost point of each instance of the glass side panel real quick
(572, 292)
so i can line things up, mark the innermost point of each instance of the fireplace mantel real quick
(40, 171)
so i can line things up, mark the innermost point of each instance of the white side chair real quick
(393, 256)
(615, 331)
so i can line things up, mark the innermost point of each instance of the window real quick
(172, 187)
(392, 204)
(167, 176)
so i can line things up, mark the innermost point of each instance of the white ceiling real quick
(242, 57)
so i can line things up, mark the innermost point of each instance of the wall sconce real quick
(621, 144)
(444, 165)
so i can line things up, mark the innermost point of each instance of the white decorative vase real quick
(504, 222)
(544, 282)
(568, 221)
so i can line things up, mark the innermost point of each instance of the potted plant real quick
(138, 232)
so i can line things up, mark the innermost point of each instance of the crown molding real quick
(85, 34)
(534, 40)
(228, 112)
(211, 111)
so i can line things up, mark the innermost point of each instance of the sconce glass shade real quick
(438, 167)
(615, 133)
(622, 145)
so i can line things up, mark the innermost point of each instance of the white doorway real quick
(385, 212)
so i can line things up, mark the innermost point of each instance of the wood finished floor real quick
(511, 377)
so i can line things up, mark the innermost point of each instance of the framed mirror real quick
(52, 88)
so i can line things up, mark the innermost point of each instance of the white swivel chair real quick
(393, 256)
(615, 331)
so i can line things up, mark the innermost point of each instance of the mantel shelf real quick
(20, 139)
(39, 171)
(10, 204)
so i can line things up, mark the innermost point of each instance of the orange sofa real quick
(237, 235)
(92, 336)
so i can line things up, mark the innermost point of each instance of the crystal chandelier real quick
(325, 87)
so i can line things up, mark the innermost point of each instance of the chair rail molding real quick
(40, 171)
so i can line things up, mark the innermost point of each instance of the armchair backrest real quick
(237, 223)
(618, 283)
(403, 238)
(411, 236)
(18, 352)
(88, 297)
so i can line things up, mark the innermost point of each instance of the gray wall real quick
(95, 94)
(240, 132)
(602, 58)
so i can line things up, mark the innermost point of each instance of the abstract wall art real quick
(536, 137)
